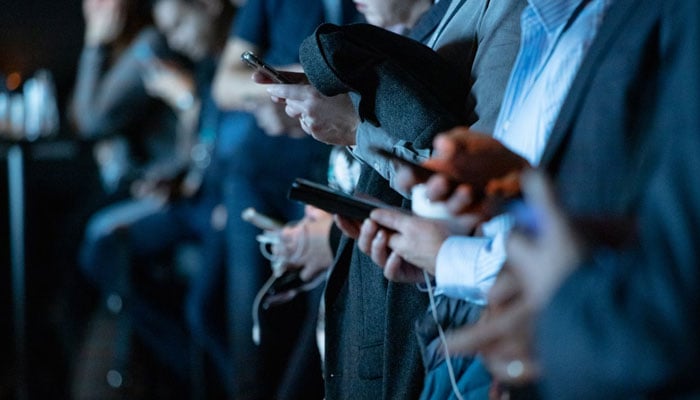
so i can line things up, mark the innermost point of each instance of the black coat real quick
(626, 147)
(371, 347)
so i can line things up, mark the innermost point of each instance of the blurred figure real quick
(602, 298)
(371, 349)
(175, 205)
(261, 168)
(110, 103)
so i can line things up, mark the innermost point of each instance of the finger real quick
(392, 219)
(309, 273)
(513, 371)
(393, 268)
(368, 232)
(349, 227)
(379, 250)
(522, 254)
(463, 341)
(438, 188)
(290, 92)
(488, 332)
(461, 199)
(506, 287)
(405, 179)
(444, 146)
(293, 110)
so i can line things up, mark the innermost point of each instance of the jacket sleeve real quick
(626, 323)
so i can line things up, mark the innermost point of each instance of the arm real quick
(233, 88)
(175, 86)
(108, 98)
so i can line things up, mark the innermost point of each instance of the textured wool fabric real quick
(401, 82)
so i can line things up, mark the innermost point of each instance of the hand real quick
(272, 119)
(104, 21)
(305, 244)
(374, 241)
(415, 239)
(503, 335)
(470, 165)
(169, 82)
(330, 120)
(543, 260)
(349, 227)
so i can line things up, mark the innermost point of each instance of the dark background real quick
(59, 174)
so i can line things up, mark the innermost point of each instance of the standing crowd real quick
(550, 251)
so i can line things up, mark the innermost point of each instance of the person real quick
(184, 204)
(110, 103)
(618, 252)
(314, 230)
(259, 170)
(376, 338)
(465, 267)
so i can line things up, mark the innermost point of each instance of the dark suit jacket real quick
(371, 347)
(626, 146)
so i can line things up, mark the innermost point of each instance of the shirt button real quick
(376, 166)
(506, 125)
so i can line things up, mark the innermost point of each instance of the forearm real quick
(90, 67)
(107, 99)
(233, 87)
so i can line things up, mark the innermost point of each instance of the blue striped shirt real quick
(555, 36)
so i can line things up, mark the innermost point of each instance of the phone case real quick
(256, 63)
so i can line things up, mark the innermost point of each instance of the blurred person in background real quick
(356, 287)
(260, 171)
(110, 103)
(182, 200)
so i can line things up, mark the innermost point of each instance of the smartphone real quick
(259, 65)
(262, 221)
(332, 201)
(421, 172)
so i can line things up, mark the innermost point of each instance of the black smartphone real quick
(421, 172)
(331, 200)
(259, 65)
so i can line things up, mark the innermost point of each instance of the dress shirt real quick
(555, 36)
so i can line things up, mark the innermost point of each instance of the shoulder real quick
(501, 18)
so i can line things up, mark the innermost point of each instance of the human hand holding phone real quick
(269, 72)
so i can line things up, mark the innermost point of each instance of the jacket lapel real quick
(619, 14)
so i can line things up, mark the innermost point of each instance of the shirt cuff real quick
(466, 267)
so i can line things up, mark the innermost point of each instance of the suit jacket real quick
(371, 349)
(626, 323)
